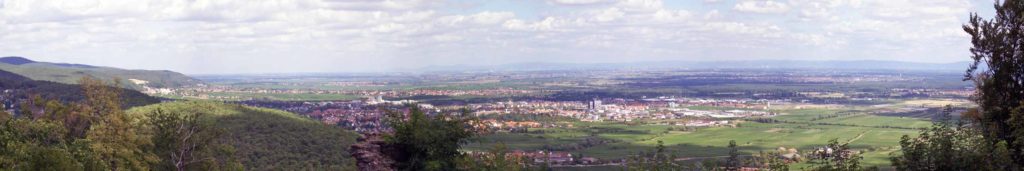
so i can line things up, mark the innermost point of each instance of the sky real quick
(319, 36)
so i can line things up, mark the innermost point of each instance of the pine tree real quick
(998, 75)
(733, 163)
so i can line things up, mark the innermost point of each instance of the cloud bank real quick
(275, 36)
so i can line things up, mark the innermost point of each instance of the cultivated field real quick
(803, 129)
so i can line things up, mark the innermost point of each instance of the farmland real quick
(803, 129)
(611, 115)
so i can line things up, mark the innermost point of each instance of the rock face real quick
(369, 153)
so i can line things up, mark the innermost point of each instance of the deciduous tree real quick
(947, 145)
(114, 137)
(183, 140)
(422, 142)
(836, 157)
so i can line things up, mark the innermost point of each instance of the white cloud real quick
(641, 5)
(225, 36)
(576, 2)
(757, 6)
(609, 15)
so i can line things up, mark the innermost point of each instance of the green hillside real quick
(71, 73)
(267, 139)
(64, 92)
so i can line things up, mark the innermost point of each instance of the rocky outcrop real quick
(369, 153)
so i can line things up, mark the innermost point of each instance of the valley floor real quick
(873, 134)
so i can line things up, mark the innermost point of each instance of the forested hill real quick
(267, 139)
(21, 87)
(71, 73)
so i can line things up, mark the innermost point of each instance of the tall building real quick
(375, 100)
(594, 105)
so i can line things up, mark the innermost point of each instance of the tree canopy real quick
(998, 74)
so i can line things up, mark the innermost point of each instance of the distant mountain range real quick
(71, 73)
(695, 65)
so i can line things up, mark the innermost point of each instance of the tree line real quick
(96, 134)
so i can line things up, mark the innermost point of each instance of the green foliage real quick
(93, 135)
(26, 88)
(422, 142)
(624, 140)
(836, 157)
(997, 72)
(658, 160)
(945, 146)
(770, 161)
(495, 159)
(41, 145)
(97, 134)
(71, 74)
(265, 139)
(183, 141)
(114, 138)
(733, 163)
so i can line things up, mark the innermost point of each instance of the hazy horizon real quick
(547, 66)
(310, 36)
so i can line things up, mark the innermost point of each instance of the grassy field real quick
(805, 129)
(282, 96)
(936, 102)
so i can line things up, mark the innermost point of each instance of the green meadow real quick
(803, 129)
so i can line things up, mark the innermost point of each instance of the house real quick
(589, 160)
(560, 157)
(552, 157)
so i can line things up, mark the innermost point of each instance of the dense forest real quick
(95, 133)
(266, 139)
(22, 88)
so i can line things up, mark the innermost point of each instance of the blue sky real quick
(296, 36)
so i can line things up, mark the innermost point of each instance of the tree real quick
(495, 159)
(836, 157)
(771, 161)
(42, 144)
(733, 163)
(945, 146)
(998, 76)
(421, 142)
(661, 157)
(114, 137)
(658, 160)
(182, 139)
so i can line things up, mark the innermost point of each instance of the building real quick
(595, 104)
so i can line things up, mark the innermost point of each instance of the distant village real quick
(365, 115)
